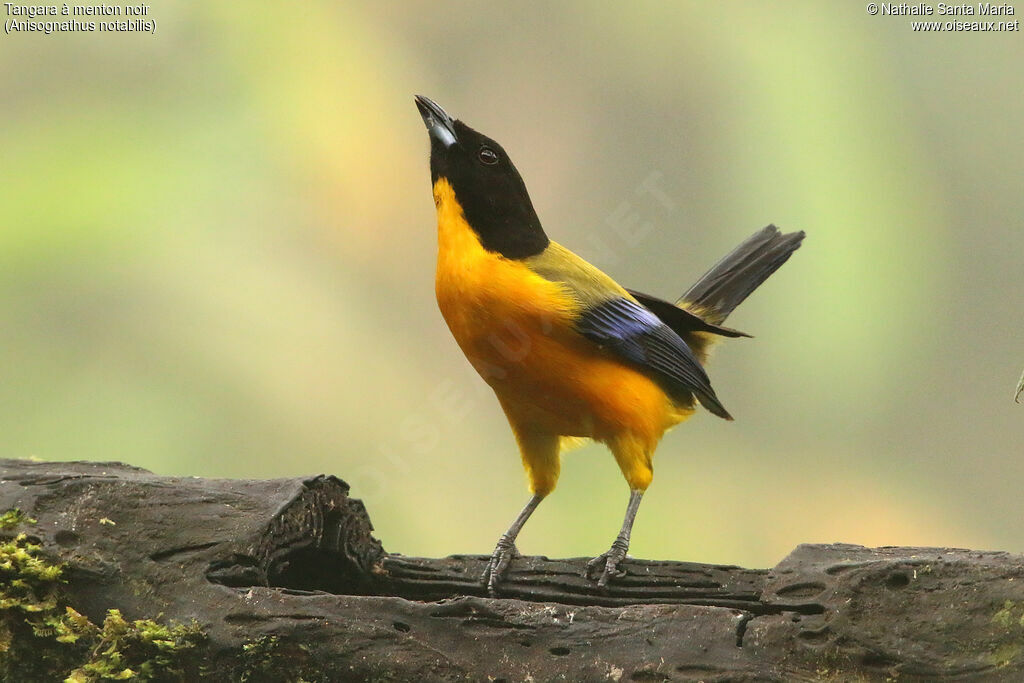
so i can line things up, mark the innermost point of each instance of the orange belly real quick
(516, 328)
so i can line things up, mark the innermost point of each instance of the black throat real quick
(493, 196)
(512, 230)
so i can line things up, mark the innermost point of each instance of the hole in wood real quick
(66, 539)
(322, 541)
(898, 580)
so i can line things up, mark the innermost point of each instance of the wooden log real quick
(286, 580)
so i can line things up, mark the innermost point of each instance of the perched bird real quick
(568, 351)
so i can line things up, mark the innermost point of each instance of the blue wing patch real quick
(637, 335)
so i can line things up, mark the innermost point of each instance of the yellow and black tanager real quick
(570, 353)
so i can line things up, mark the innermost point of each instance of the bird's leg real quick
(608, 563)
(506, 548)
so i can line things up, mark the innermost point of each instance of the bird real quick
(570, 354)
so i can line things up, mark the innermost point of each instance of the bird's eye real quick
(488, 156)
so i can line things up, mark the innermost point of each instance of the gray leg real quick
(506, 548)
(608, 563)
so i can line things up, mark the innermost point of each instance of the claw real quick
(607, 564)
(498, 564)
(617, 553)
(506, 548)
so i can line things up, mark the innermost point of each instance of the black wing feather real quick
(681, 320)
(637, 335)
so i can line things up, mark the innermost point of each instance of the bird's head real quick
(473, 170)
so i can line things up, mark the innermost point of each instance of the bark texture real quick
(287, 581)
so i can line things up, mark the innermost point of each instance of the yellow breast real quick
(491, 304)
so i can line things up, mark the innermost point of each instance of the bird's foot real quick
(498, 564)
(605, 566)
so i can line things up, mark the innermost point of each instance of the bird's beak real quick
(440, 125)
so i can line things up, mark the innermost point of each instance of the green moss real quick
(266, 659)
(12, 518)
(43, 638)
(1004, 617)
(1004, 655)
(1008, 642)
(140, 650)
(30, 610)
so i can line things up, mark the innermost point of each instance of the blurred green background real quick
(217, 247)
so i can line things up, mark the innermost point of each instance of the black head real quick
(486, 184)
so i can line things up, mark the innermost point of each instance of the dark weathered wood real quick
(295, 559)
(541, 579)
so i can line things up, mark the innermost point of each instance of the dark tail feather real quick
(720, 290)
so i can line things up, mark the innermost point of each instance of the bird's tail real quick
(720, 290)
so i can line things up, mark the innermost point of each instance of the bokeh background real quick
(217, 247)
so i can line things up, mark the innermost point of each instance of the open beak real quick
(439, 124)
